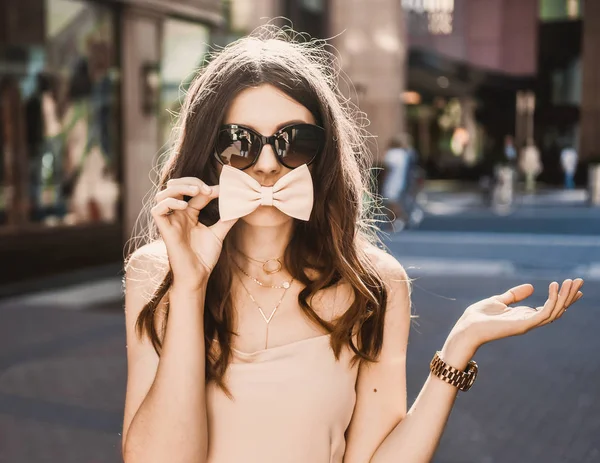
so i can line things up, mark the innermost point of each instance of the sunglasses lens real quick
(300, 144)
(236, 147)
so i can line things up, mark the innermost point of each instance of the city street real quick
(469, 128)
(62, 360)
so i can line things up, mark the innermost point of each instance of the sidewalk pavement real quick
(451, 197)
(62, 375)
(549, 211)
(531, 255)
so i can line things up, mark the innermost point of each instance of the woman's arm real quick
(165, 409)
(381, 386)
(381, 431)
(416, 437)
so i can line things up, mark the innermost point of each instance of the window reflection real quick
(58, 139)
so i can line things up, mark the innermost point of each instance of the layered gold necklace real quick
(262, 312)
(269, 266)
(285, 285)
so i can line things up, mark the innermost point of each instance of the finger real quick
(162, 210)
(552, 312)
(199, 202)
(575, 287)
(186, 181)
(563, 295)
(177, 191)
(222, 227)
(544, 313)
(578, 296)
(516, 294)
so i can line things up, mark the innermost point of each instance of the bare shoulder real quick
(151, 256)
(387, 265)
(149, 260)
(145, 269)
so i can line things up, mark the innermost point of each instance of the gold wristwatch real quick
(461, 379)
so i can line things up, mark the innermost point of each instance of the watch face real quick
(472, 370)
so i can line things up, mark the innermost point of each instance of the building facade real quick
(371, 40)
(84, 90)
(467, 59)
(481, 70)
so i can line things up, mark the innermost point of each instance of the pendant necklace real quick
(284, 285)
(269, 266)
(270, 317)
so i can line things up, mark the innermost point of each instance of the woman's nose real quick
(267, 161)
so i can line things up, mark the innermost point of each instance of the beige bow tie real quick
(240, 194)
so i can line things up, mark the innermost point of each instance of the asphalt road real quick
(536, 398)
(549, 212)
(551, 220)
(63, 368)
(527, 255)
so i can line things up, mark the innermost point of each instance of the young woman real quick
(262, 323)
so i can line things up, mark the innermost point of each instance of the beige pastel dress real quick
(291, 404)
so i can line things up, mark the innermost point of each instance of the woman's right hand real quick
(192, 247)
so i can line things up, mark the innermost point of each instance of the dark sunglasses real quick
(294, 145)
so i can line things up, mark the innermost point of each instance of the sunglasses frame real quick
(270, 141)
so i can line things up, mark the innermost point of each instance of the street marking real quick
(591, 271)
(519, 239)
(75, 297)
(425, 266)
(418, 266)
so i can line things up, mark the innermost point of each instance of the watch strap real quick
(463, 380)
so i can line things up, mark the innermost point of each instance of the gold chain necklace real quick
(270, 266)
(270, 317)
(284, 285)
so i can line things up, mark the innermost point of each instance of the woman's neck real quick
(263, 243)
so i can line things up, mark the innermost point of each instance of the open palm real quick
(494, 318)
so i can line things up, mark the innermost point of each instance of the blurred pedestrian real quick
(399, 161)
(568, 162)
(90, 182)
(46, 148)
(210, 378)
(530, 164)
(510, 152)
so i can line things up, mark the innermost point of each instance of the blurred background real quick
(486, 115)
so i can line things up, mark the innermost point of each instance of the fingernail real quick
(194, 189)
(183, 203)
(207, 189)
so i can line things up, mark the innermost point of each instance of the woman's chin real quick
(266, 216)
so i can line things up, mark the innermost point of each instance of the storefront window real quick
(58, 118)
(560, 10)
(184, 48)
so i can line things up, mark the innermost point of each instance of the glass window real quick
(58, 118)
(560, 10)
(314, 6)
(426, 17)
(566, 84)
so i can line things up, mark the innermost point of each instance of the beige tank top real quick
(291, 404)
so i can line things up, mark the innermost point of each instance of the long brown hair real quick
(328, 249)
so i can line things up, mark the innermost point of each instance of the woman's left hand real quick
(492, 318)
